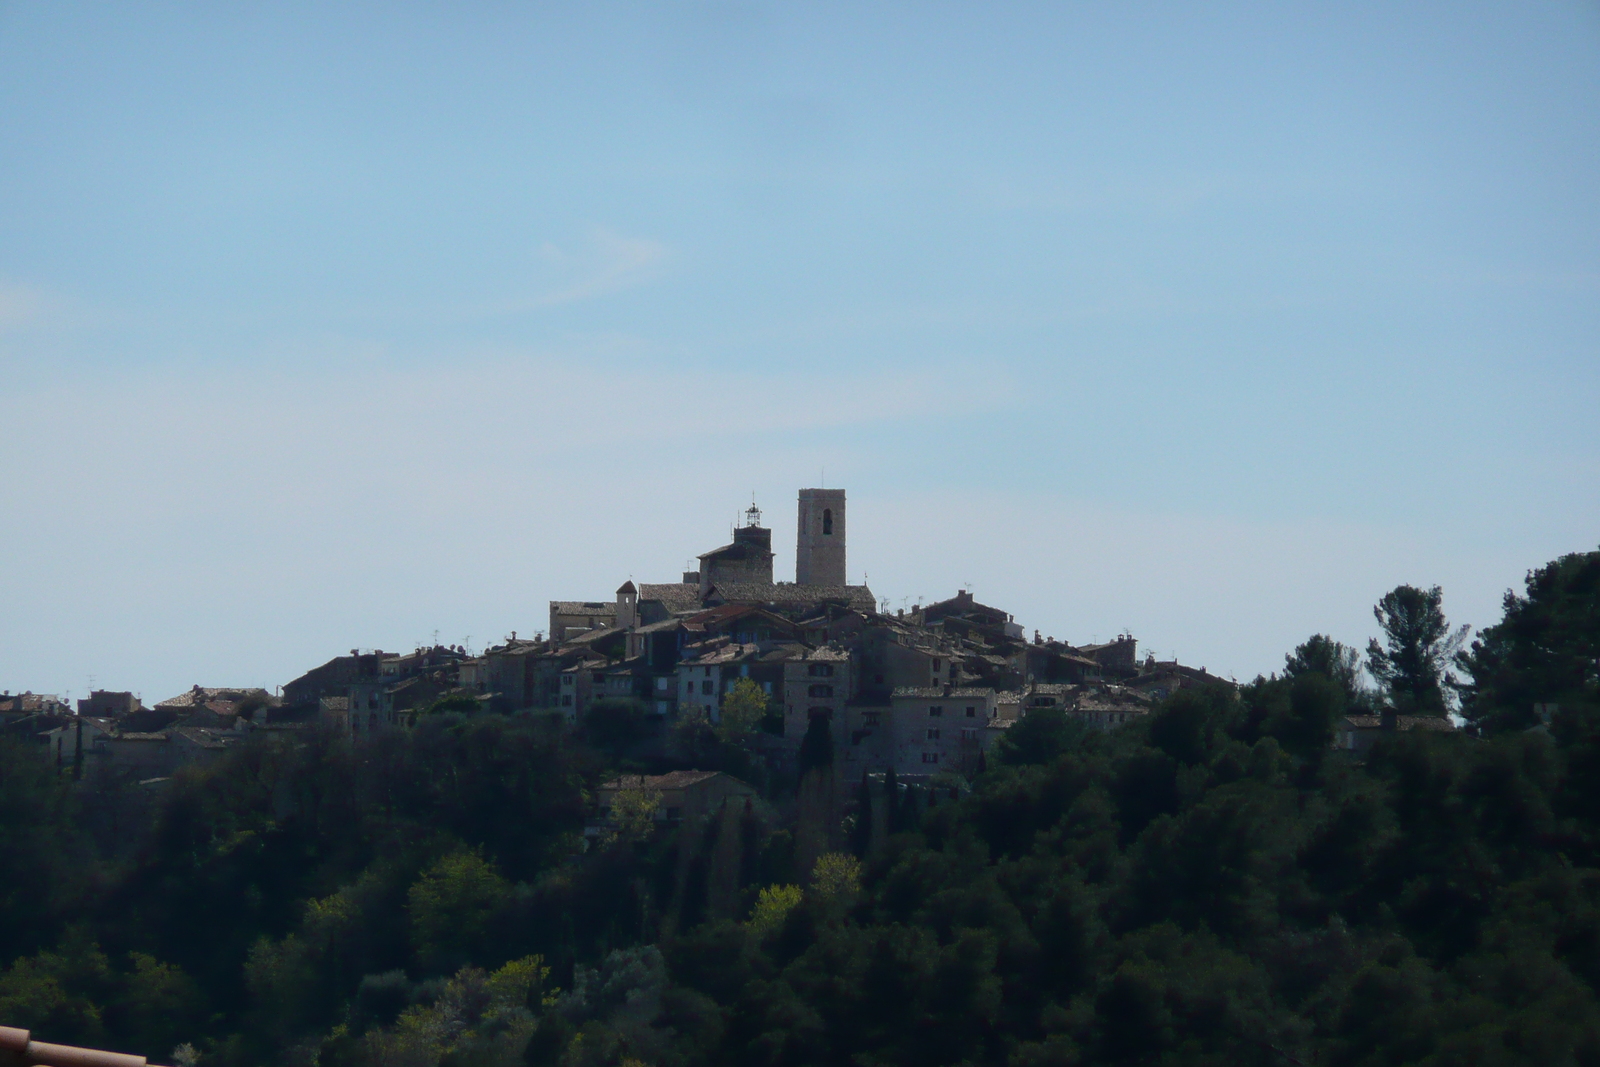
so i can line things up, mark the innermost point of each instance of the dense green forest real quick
(1214, 885)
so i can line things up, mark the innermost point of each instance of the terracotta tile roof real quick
(1402, 722)
(594, 635)
(30, 703)
(932, 692)
(200, 695)
(1105, 703)
(672, 780)
(789, 593)
(731, 652)
(784, 653)
(207, 739)
(676, 597)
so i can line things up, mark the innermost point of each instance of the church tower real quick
(819, 541)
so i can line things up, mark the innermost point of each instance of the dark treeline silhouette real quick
(1217, 884)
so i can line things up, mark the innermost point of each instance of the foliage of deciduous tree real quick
(454, 905)
(615, 724)
(773, 905)
(1041, 736)
(836, 877)
(634, 812)
(743, 709)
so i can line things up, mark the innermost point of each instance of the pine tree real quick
(1414, 669)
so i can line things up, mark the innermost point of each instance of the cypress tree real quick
(816, 749)
(861, 837)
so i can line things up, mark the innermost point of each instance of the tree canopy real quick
(1213, 884)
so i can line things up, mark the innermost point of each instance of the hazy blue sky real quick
(336, 325)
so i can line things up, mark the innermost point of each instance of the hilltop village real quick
(918, 691)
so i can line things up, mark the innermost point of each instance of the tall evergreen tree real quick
(1321, 654)
(1544, 651)
(816, 748)
(861, 836)
(1413, 665)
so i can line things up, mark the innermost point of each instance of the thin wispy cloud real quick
(611, 263)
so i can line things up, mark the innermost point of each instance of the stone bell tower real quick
(819, 540)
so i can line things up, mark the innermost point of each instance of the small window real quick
(567, 680)
(933, 733)
(599, 679)
(935, 711)
(870, 719)
(935, 666)
(820, 670)
(707, 687)
(972, 713)
(930, 757)
(566, 700)
(820, 691)
(827, 522)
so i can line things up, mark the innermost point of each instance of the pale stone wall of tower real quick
(819, 548)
